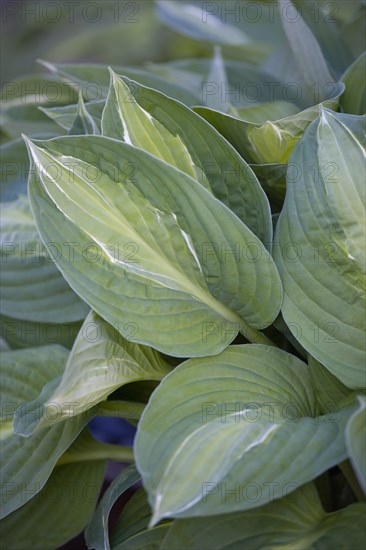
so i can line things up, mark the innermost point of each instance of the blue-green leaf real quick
(159, 261)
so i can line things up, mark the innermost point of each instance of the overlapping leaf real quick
(133, 522)
(13, 170)
(83, 123)
(159, 261)
(356, 441)
(219, 434)
(295, 521)
(20, 101)
(97, 532)
(87, 449)
(262, 112)
(148, 119)
(65, 115)
(33, 289)
(271, 141)
(320, 245)
(27, 463)
(124, 119)
(37, 305)
(306, 50)
(330, 392)
(58, 512)
(101, 361)
(353, 99)
(94, 80)
(245, 83)
(197, 22)
(20, 334)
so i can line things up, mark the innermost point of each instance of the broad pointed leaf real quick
(155, 256)
(320, 245)
(198, 449)
(20, 334)
(27, 463)
(99, 76)
(65, 115)
(59, 512)
(33, 289)
(218, 78)
(101, 361)
(124, 119)
(271, 141)
(20, 101)
(83, 122)
(262, 112)
(306, 50)
(131, 529)
(97, 532)
(164, 127)
(295, 521)
(246, 83)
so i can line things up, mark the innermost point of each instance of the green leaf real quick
(131, 529)
(17, 385)
(262, 112)
(272, 141)
(130, 410)
(320, 245)
(197, 22)
(135, 517)
(13, 170)
(99, 78)
(27, 463)
(246, 83)
(295, 521)
(148, 119)
(58, 512)
(272, 178)
(100, 362)
(36, 89)
(169, 265)
(20, 101)
(187, 76)
(96, 534)
(217, 76)
(20, 334)
(356, 441)
(232, 415)
(65, 115)
(32, 287)
(354, 25)
(85, 449)
(306, 50)
(353, 99)
(329, 390)
(124, 119)
(324, 22)
(83, 123)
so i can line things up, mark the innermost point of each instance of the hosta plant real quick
(191, 261)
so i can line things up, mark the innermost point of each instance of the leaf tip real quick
(113, 75)
(157, 515)
(46, 64)
(29, 143)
